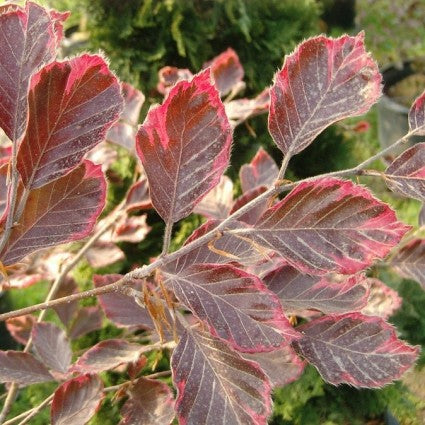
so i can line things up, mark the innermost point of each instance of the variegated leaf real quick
(184, 145)
(235, 305)
(355, 349)
(323, 81)
(406, 175)
(216, 385)
(328, 225)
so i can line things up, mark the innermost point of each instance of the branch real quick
(146, 270)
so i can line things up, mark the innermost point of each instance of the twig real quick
(167, 237)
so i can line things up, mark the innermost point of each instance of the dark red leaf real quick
(323, 81)
(383, 301)
(119, 308)
(29, 39)
(355, 349)
(417, 116)
(168, 76)
(227, 71)
(298, 291)
(22, 368)
(226, 249)
(76, 400)
(281, 366)
(71, 106)
(184, 145)
(62, 211)
(261, 171)
(67, 311)
(107, 354)
(235, 305)
(52, 346)
(406, 175)
(328, 225)
(410, 261)
(216, 385)
(150, 403)
(138, 196)
(88, 319)
(217, 203)
(131, 229)
(254, 213)
(123, 132)
(20, 327)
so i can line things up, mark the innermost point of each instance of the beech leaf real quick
(235, 305)
(52, 346)
(410, 261)
(253, 214)
(76, 400)
(106, 355)
(138, 196)
(22, 368)
(261, 171)
(119, 308)
(298, 291)
(355, 349)
(328, 225)
(216, 385)
(71, 106)
(150, 403)
(29, 38)
(184, 145)
(88, 319)
(406, 175)
(65, 210)
(227, 71)
(417, 116)
(168, 76)
(281, 366)
(20, 327)
(323, 81)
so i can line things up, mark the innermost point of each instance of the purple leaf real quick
(62, 211)
(298, 291)
(328, 225)
(184, 145)
(281, 366)
(417, 116)
(235, 305)
(22, 368)
(119, 308)
(71, 106)
(150, 403)
(67, 311)
(29, 38)
(323, 81)
(131, 229)
(216, 385)
(261, 171)
(251, 216)
(227, 71)
(410, 261)
(218, 202)
(76, 400)
(355, 349)
(88, 319)
(168, 76)
(20, 327)
(406, 175)
(383, 301)
(106, 355)
(3, 188)
(123, 132)
(227, 248)
(138, 196)
(52, 346)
